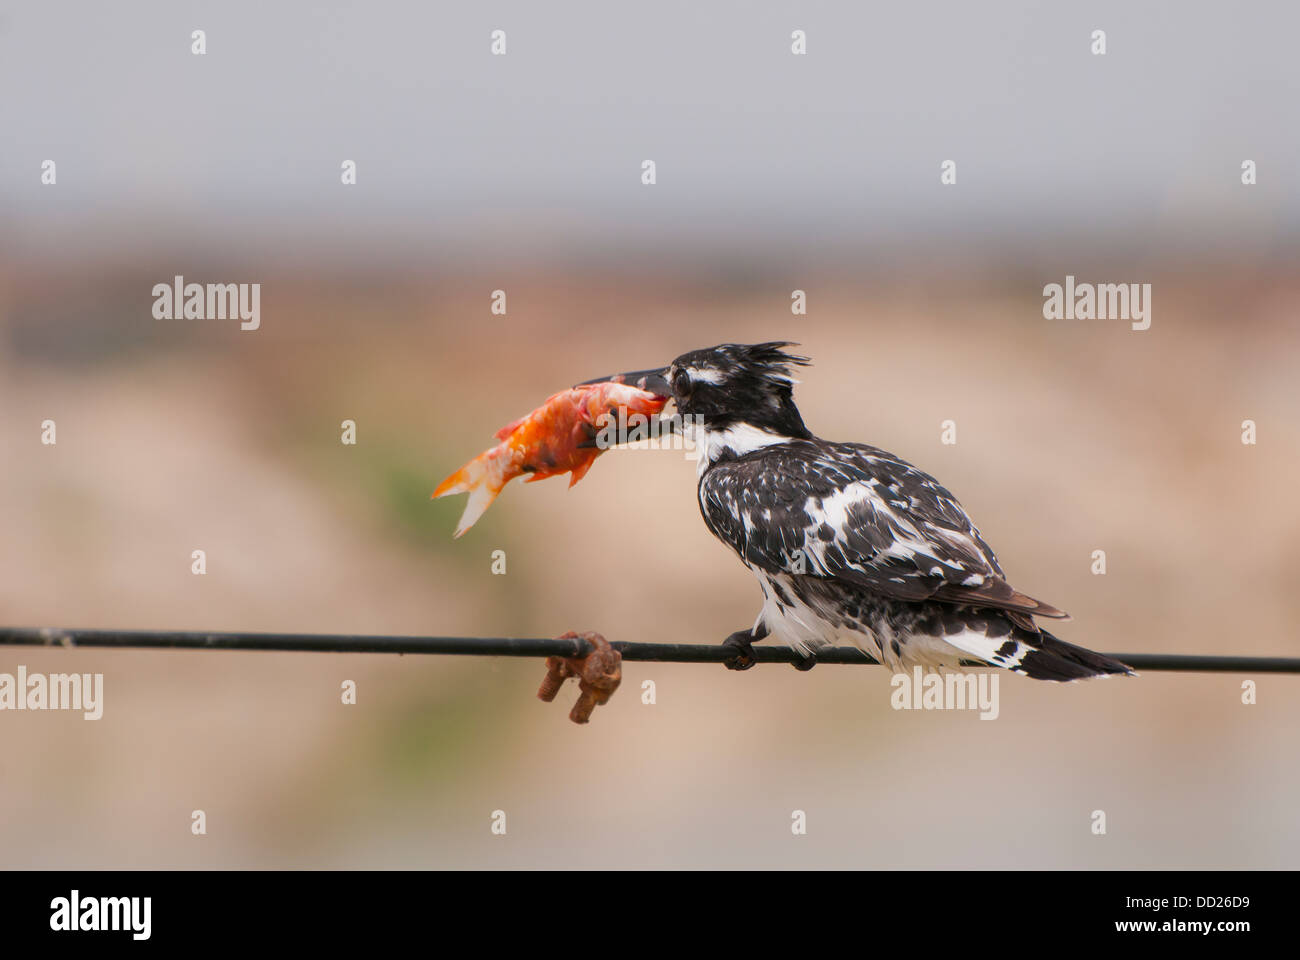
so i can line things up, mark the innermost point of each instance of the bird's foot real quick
(804, 663)
(742, 642)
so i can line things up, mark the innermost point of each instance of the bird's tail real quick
(1045, 657)
(1034, 653)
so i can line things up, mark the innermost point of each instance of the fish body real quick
(558, 437)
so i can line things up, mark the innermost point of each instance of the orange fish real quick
(558, 437)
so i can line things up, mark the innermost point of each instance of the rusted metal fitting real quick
(599, 674)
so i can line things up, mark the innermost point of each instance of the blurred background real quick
(522, 172)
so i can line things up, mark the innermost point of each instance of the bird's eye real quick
(681, 383)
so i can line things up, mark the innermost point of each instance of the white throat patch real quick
(740, 439)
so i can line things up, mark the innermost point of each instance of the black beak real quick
(656, 381)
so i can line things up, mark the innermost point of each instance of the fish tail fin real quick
(480, 498)
(475, 479)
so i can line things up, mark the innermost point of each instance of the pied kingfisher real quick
(849, 543)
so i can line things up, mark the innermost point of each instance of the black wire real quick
(528, 647)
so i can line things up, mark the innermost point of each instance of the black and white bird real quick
(849, 543)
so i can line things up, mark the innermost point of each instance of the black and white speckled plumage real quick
(850, 543)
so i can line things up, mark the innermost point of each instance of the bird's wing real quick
(856, 513)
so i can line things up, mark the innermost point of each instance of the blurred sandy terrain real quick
(1072, 436)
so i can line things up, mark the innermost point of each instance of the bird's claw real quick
(804, 663)
(742, 642)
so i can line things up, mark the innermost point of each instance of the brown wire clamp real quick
(599, 674)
